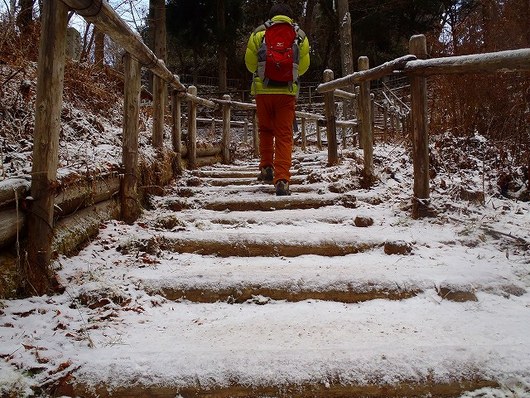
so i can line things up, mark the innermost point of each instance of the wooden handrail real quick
(510, 60)
(198, 100)
(240, 105)
(367, 75)
(311, 116)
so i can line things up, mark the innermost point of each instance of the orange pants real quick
(275, 124)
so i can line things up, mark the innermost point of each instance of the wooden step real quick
(263, 245)
(246, 181)
(266, 200)
(405, 389)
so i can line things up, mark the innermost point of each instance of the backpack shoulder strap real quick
(300, 34)
(263, 26)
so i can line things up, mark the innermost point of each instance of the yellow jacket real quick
(251, 61)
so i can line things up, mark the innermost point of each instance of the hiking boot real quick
(282, 188)
(266, 175)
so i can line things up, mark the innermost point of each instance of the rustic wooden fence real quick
(418, 68)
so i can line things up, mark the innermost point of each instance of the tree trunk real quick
(346, 54)
(221, 22)
(307, 21)
(346, 50)
(25, 15)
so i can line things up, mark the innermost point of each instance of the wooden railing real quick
(417, 67)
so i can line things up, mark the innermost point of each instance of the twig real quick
(518, 239)
(85, 328)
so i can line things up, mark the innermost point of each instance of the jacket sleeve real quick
(251, 54)
(303, 66)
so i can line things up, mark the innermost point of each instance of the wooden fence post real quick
(357, 107)
(130, 207)
(303, 135)
(225, 143)
(255, 131)
(420, 134)
(48, 105)
(372, 112)
(159, 107)
(331, 128)
(319, 138)
(192, 130)
(176, 130)
(366, 125)
(385, 123)
(245, 131)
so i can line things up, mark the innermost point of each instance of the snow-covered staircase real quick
(225, 290)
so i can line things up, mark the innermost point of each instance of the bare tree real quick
(221, 23)
(25, 15)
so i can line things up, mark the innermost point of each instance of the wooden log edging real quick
(335, 389)
(71, 232)
(13, 189)
(11, 225)
(85, 191)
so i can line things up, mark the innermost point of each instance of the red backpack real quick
(279, 54)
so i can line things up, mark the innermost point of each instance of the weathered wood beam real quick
(344, 94)
(367, 75)
(48, 105)
(501, 61)
(367, 138)
(235, 104)
(331, 129)
(12, 223)
(192, 130)
(12, 189)
(84, 192)
(198, 100)
(176, 130)
(225, 142)
(420, 132)
(311, 116)
(130, 207)
(71, 232)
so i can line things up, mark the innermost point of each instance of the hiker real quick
(276, 64)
